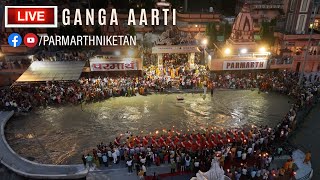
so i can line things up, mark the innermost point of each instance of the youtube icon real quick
(31, 16)
(30, 40)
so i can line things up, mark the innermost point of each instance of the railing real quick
(310, 57)
(249, 55)
(200, 15)
(307, 177)
(281, 66)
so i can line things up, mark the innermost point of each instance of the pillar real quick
(185, 5)
(160, 61)
(191, 57)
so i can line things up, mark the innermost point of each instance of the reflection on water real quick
(61, 134)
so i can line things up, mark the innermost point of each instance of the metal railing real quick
(307, 177)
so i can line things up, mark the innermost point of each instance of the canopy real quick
(52, 71)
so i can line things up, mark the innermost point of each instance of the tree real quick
(267, 32)
(213, 30)
(227, 30)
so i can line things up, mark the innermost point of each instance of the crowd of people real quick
(243, 153)
(66, 55)
(24, 97)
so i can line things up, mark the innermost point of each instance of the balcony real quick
(192, 28)
(199, 17)
(298, 37)
(281, 63)
(309, 57)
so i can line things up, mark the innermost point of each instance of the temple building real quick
(241, 51)
(292, 37)
(242, 35)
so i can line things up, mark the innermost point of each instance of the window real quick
(304, 5)
(290, 43)
(292, 5)
(289, 22)
(301, 23)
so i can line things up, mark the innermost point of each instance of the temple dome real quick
(242, 30)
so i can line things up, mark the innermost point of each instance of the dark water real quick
(60, 135)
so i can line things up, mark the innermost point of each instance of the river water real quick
(60, 135)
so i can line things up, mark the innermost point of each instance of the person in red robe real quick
(145, 141)
(137, 140)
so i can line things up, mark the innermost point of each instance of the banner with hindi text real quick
(121, 65)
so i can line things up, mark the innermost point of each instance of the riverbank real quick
(30, 169)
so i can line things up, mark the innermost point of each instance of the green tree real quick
(267, 32)
(227, 30)
(211, 32)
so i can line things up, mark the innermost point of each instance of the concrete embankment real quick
(29, 169)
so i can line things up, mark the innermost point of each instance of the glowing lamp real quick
(204, 42)
(227, 51)
(262, 50)
(243, 51)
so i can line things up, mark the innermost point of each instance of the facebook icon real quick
(14, 40)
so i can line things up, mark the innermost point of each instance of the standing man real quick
(129, 164)
(105, 159)
(89, 159)
(84, 161)
(144, 169)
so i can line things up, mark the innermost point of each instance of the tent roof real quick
(52, 71)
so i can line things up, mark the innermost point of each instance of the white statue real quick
(215, 173)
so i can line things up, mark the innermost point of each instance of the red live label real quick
(31, 16)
